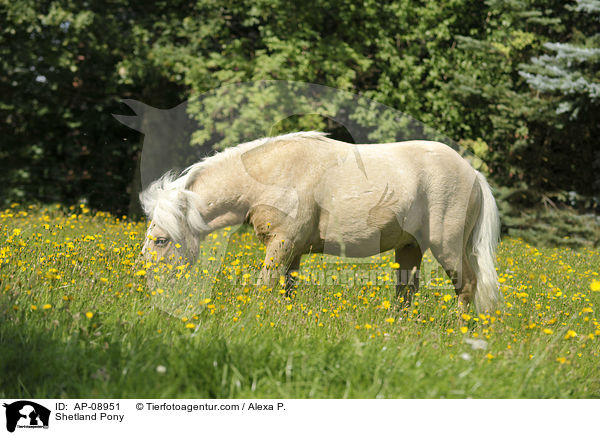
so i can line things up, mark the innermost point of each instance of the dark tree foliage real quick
(514, 81)
(59, 84)
(566, 78)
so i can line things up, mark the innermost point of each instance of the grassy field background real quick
(81, 316)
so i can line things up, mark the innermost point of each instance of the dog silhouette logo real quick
(26, 414)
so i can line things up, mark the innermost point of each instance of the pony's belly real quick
(366, 244)
(365, 248)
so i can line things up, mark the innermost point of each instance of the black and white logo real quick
(25, 414)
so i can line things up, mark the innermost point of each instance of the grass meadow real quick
(82, 316)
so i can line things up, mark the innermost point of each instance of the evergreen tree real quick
(567, 81)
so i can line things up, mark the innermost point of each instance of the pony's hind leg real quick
(450, 248)
(407, 275)
(462, 276)
(467, 286)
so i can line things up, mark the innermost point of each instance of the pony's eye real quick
(161, 241)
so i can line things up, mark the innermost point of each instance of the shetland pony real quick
(306, 193)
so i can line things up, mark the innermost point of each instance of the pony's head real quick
(176, 224)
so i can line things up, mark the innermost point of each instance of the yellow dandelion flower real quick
(489, 356)
(390, 320)
(561, 359)
(190, 325)
(570, 334)
(466, 317)
(464, 329)
(34, 307)
(47, 306)
(89, 314)
(548, 331)
(595, 286)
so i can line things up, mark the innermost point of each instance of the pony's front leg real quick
(407, 279)
(291, 276)
(277, 261)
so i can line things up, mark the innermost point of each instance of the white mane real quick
(169, 205)
(168, 202)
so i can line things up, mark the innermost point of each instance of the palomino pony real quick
(304, 192)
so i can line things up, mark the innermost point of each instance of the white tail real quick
(482, 255)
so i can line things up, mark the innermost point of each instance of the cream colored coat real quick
(307, 193)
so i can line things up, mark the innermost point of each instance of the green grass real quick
(78, 319)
